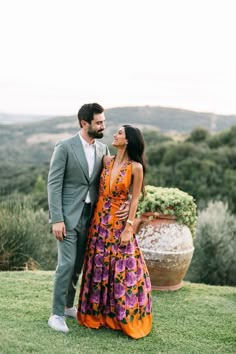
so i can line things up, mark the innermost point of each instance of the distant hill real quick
(7, 118)
(33, 139)
(171, 119)
(163, 118)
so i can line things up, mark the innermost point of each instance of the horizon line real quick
(118, 106)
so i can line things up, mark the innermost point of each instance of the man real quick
(72, 192)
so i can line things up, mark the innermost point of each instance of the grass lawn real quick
(195, 319)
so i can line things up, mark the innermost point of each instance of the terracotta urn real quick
(167, 247)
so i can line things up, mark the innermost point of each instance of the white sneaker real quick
(71, 312)
(58, 323)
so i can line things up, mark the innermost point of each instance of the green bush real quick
(198, 135)
(169, 201)
(25, 238)
(214, 260)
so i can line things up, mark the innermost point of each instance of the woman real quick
(116, 290)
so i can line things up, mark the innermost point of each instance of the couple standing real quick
(86, 184)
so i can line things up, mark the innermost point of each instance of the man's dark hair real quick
(87, 111)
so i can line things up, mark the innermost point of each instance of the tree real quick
(198, 135)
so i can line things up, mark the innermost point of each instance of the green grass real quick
(195, 319)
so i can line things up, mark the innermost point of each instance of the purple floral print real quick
(119, 290)
(121, 312)
(120, 266)
(97, 275)
(131, 300)
(130, 278)
(130, 263)
(105, 219)
(98, 260)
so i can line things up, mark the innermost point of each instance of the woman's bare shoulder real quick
(137, 166)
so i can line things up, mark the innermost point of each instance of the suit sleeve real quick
(55, 183)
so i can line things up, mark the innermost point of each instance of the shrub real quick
(214, 260)
(169, 201)
(198, 135)
(25, 239)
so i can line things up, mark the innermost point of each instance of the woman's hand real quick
(126, 236)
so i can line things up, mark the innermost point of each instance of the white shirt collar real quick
(85, 143)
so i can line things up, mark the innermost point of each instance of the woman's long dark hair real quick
(135, 147)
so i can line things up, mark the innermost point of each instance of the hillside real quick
(7, 118)
(34, 141)
(170, 119)
(163, 118)
(195, 319)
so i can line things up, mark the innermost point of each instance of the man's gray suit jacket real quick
(69, 182)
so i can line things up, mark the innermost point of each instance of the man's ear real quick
(83, 123)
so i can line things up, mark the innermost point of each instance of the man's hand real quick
(123, 211)
(59, 230)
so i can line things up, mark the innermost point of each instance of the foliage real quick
(39, 193)
(202, 169)
(153, 137)
(34, 141)
(229, 180)
(203, 165)
(224, 138)
(195, 319)
(198, 135)
(214, 259)
(40, 185)
(169, 201)
(21, 178)
(25, 239)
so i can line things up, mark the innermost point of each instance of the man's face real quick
(95, 129)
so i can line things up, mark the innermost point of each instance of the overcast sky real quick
(56, 55)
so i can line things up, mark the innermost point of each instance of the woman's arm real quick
(137, 173)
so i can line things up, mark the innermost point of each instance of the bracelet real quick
(130, 222)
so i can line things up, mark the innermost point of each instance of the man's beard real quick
(95, 134)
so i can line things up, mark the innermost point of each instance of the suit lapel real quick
(80, 155)
(97, 162)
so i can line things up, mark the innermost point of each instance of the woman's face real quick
(120, 138)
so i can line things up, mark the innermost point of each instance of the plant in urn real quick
(165, 227)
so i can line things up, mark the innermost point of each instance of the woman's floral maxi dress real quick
(116, 289)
